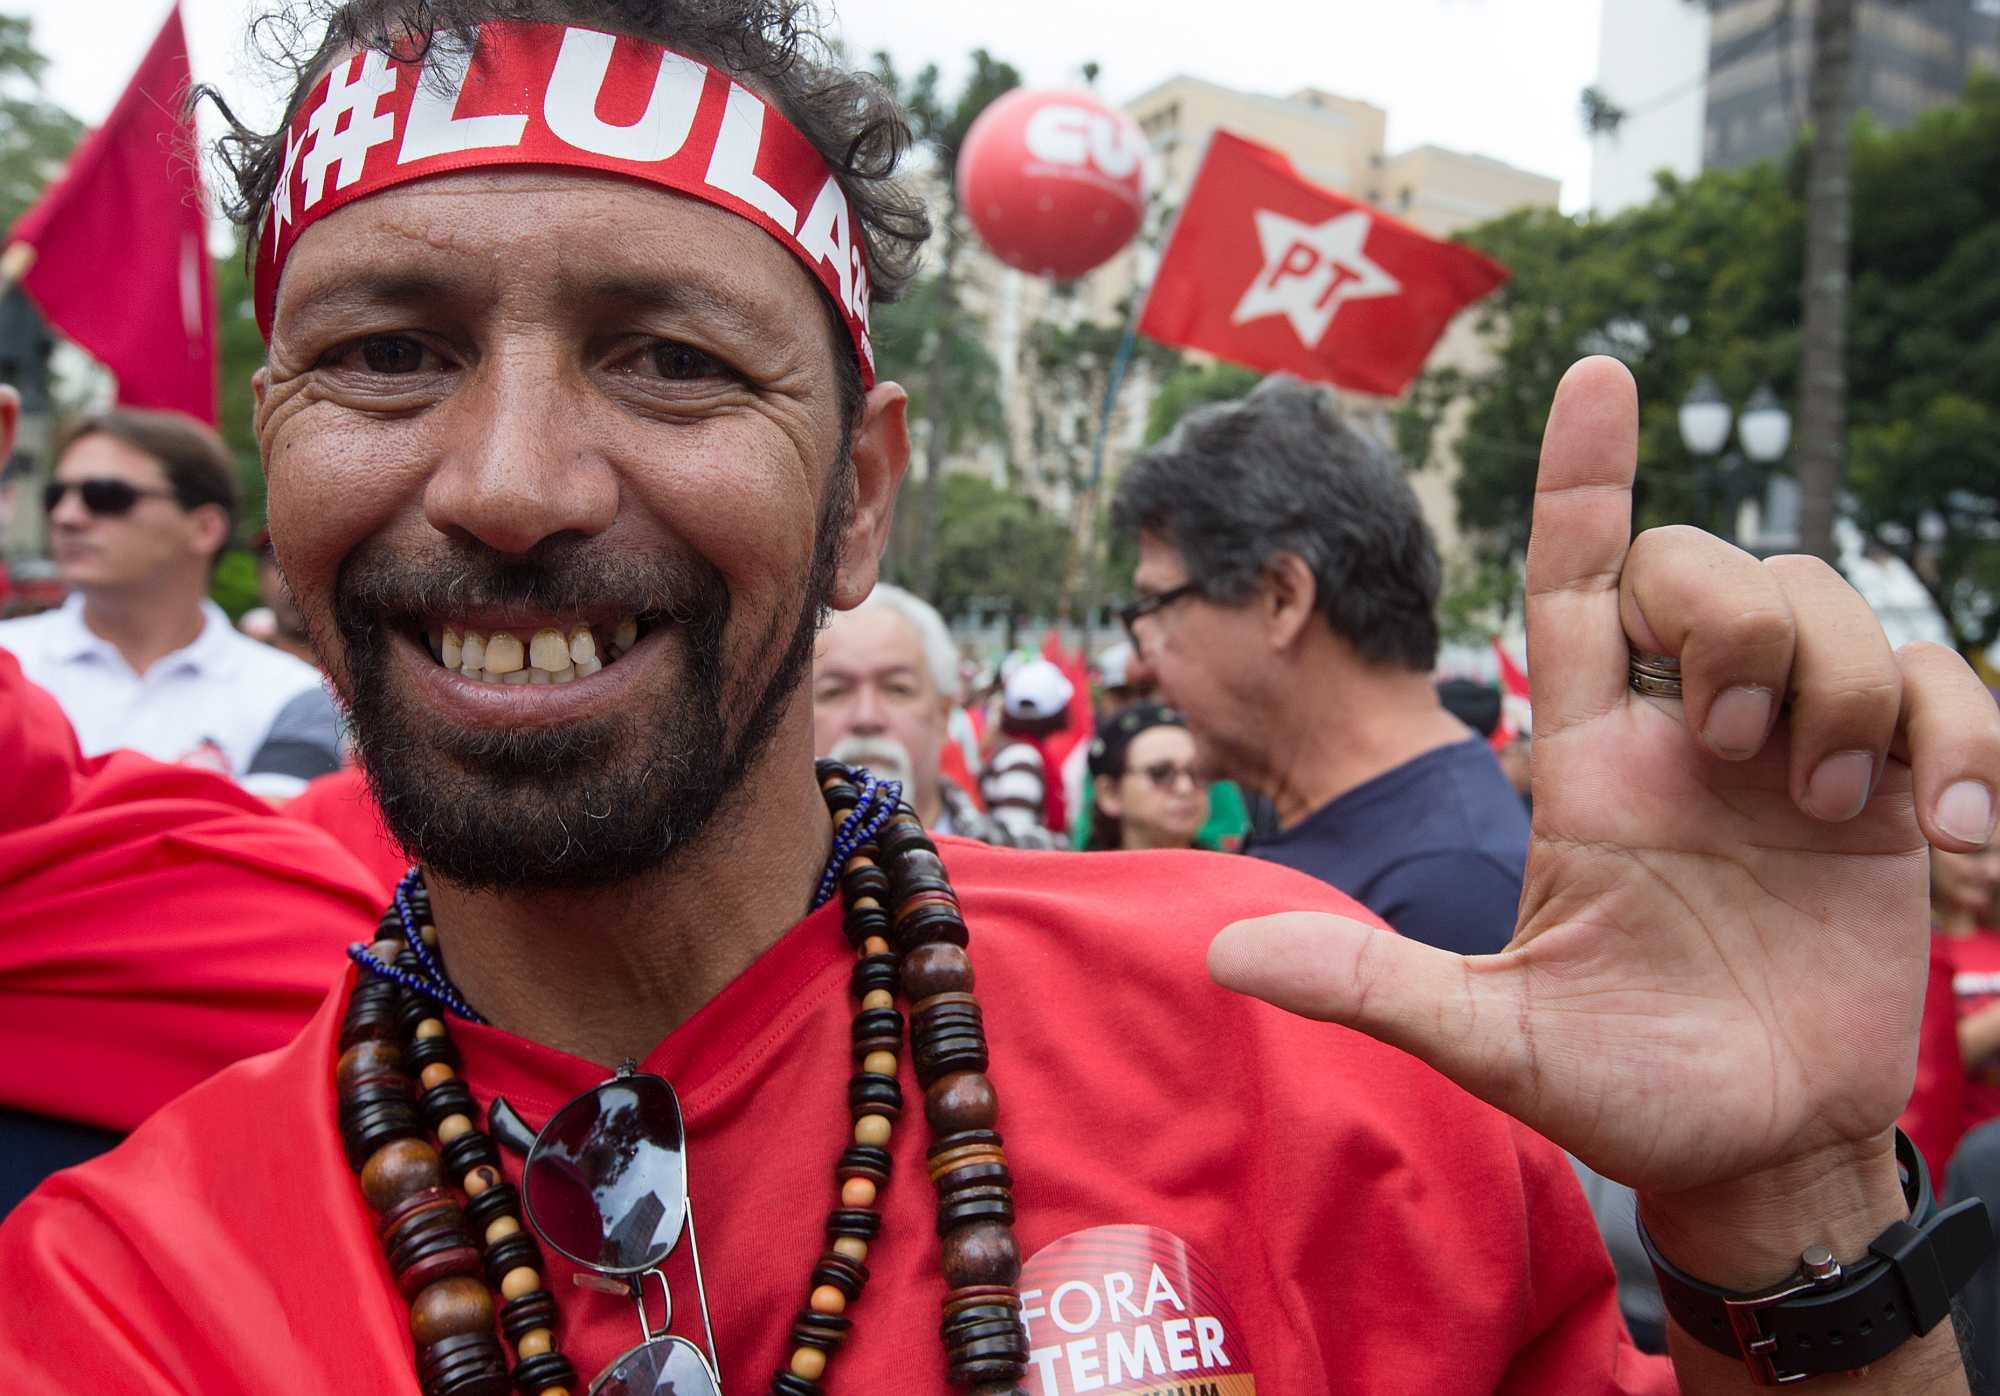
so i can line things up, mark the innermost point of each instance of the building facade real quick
(1726, 85)
(1652, 64)
(1909, 56)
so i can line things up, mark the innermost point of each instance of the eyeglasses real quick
(106, 497)
(1165, 775)
(1130, 615)
(605, 1187)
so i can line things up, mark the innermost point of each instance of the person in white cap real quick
(1021, 784)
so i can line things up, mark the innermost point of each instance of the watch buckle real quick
(1817, 1270)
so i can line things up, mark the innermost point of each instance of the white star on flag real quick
(1310, 272)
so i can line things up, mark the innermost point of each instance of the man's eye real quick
(390, 355)
(683, 363)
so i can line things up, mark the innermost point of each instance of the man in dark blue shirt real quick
(1286, 596)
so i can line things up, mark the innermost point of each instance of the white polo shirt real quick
(211, 703)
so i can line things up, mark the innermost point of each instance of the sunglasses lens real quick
(104, 497)
(606, 1182)
(662, 1367)
(108, 496)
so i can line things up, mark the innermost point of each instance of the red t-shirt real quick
(1975, 983)
(157, 922)
(1326, 1214)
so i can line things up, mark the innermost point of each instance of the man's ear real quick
(208, 528)
(881, 455)
(1288, 595)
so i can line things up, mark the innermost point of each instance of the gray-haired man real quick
(1286, 592)
(884, 676)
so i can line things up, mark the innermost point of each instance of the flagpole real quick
(1121, 363)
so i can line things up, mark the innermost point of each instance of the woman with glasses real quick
(1146, 792)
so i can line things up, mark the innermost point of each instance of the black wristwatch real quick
(1827, 1317)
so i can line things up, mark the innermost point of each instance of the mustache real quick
(560, 575)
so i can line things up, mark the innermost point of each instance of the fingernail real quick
(1839, 786)
(1966, 812)
(1737, 721)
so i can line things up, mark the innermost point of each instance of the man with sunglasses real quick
(140, 505)
(558, 387)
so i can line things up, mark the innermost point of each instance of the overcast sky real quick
(1495, 77)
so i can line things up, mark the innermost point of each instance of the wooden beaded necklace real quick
(405, 1137)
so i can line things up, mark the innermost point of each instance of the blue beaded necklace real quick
(879, 799)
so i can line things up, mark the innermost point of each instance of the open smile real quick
(514, 668)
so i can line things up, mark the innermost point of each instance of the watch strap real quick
(1843, 1317)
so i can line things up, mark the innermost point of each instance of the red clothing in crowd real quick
(1935, 1116)
(340, 804)
(1264, 1196)
(157, 922)
(1975, 983)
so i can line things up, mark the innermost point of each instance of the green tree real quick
(940, 123)
(36, 135)
(1190, 385)
(241, 348)
(939, 352)
(1706, 278)
(1702, 279)
(997, 548)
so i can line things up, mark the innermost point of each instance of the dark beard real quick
(591, 803)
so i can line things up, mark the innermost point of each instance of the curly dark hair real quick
(777, 47)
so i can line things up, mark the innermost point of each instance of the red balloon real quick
(1055, 182)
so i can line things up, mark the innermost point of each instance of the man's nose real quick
(519, 465)
(869, 716)
(69, 512)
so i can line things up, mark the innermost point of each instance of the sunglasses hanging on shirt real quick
(605, 1185)
(105, 497)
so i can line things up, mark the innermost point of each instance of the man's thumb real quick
(1446, 1009)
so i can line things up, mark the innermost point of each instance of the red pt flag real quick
(1272, 271)
(120, 261)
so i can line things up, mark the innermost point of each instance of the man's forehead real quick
(878, 636)
(100, 453)
(1160, 563)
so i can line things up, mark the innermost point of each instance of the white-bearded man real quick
(572, 434)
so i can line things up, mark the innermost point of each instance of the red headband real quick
(543, 94)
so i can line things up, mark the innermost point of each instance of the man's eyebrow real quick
(335, 296)
(685, 298)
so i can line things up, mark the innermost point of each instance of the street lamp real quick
(1763, 429)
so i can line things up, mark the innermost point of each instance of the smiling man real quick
(568, 366)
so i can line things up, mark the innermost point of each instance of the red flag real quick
(1513, 678)
(1516, 701)
(120, 256)
(1274, 272)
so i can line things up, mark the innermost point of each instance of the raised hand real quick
(1720, 959)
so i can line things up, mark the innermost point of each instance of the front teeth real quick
(503, 654)
(548, 656)
(548, 651)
